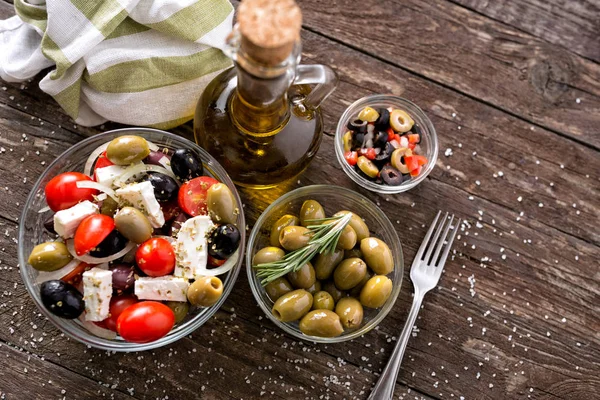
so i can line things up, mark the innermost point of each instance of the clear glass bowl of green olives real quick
(324, 263)
(34, 229)
(386, 143)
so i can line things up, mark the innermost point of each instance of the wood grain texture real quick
(484, 59)
(574, 25)
(514, 315)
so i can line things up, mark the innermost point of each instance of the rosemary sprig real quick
(324, 240)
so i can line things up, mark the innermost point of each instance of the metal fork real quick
(425, 274)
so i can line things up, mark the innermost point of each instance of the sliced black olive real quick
(223, 241)
(357, 126)
(186, 165)
(383, 122)
(123, 277)
(358, 139)
(165, 187)
(417, 129)
(381, 140)
(49, 225)
(384, 156)
(111, 244)
(62, 299)
(391, 175)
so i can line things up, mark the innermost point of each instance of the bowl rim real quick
(413, 109)
(78, 332)
(255, 284)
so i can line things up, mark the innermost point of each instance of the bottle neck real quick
(260, 105)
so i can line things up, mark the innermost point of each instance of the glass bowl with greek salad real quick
(131, 239)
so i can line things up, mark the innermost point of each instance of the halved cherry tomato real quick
(351, 157)
(145, 322)
(413, 138)
(62, 191)
(117, 306)
(416, 171)
(155, 257)
(74, 277)
(371, 154)
(213, 262)
(192, 195)
(170, 209)
(91, 232)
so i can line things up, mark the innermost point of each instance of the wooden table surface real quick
(513, 89)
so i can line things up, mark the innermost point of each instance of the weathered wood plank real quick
(571, 24)
(489, 61)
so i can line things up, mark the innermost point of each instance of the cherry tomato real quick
(102, 162)
(155, 257)
(74, 277)
(91, 232)
(213, 262)
(62, 191)
(351, 157)
(170, 209)
(192, 195)
(371, 154)
(145, 322)
(117, 306)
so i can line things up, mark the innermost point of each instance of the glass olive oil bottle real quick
(260, 119)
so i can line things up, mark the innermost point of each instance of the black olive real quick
(186, 165)
(165, 187)
(417, 129)
(383, 122)
(177, 224)
(391, 175)
(62, 299)
(111, 244)
(223, 241)
(357, 126)
(155, 157)
(381, 140)
(384, 155)
(123, 277)
(49, 225)
(358, 139)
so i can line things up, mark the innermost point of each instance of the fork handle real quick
(384, 389)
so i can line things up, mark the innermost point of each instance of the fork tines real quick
(440, 240)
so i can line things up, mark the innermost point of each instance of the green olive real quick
(179, 308)
(205, 291)
(277, 288)
(323, 301)
(294, 237)
(350, 311)
(303, 278)
(109, 206)
(221, 204)
(49, 256)
(322, 323)
(267, 255)
(400, 121)
(293, 305)
(397, 159)
(347, 141)
(356, 222)
(349, 273)
(355, 291)
(368, 114)
(367, 167)
(316, 287)
(353, 253)
(377, 255)
(286, 220)
(336, 293)
(131, 223)
(376, 291)
(311, 209)
(347, 239)
(326, 262)
(127, 149)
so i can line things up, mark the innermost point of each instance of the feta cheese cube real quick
(162, 288)
(97, 291)
(67, 221)
(191, 248)
(107, 175)
(141, 196)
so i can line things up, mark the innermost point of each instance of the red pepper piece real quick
(421, 160)
(416, 171)
(391, 134)
(413, 138)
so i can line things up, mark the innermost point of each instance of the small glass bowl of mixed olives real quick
(386, 144)
(34, 229)
(340, 293)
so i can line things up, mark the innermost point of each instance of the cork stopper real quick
(269, 29)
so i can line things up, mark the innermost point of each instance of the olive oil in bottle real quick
(260, 119)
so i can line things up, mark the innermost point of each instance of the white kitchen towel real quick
(137, 62)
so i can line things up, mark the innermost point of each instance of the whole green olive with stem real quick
(350, 312)
(323, 301)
